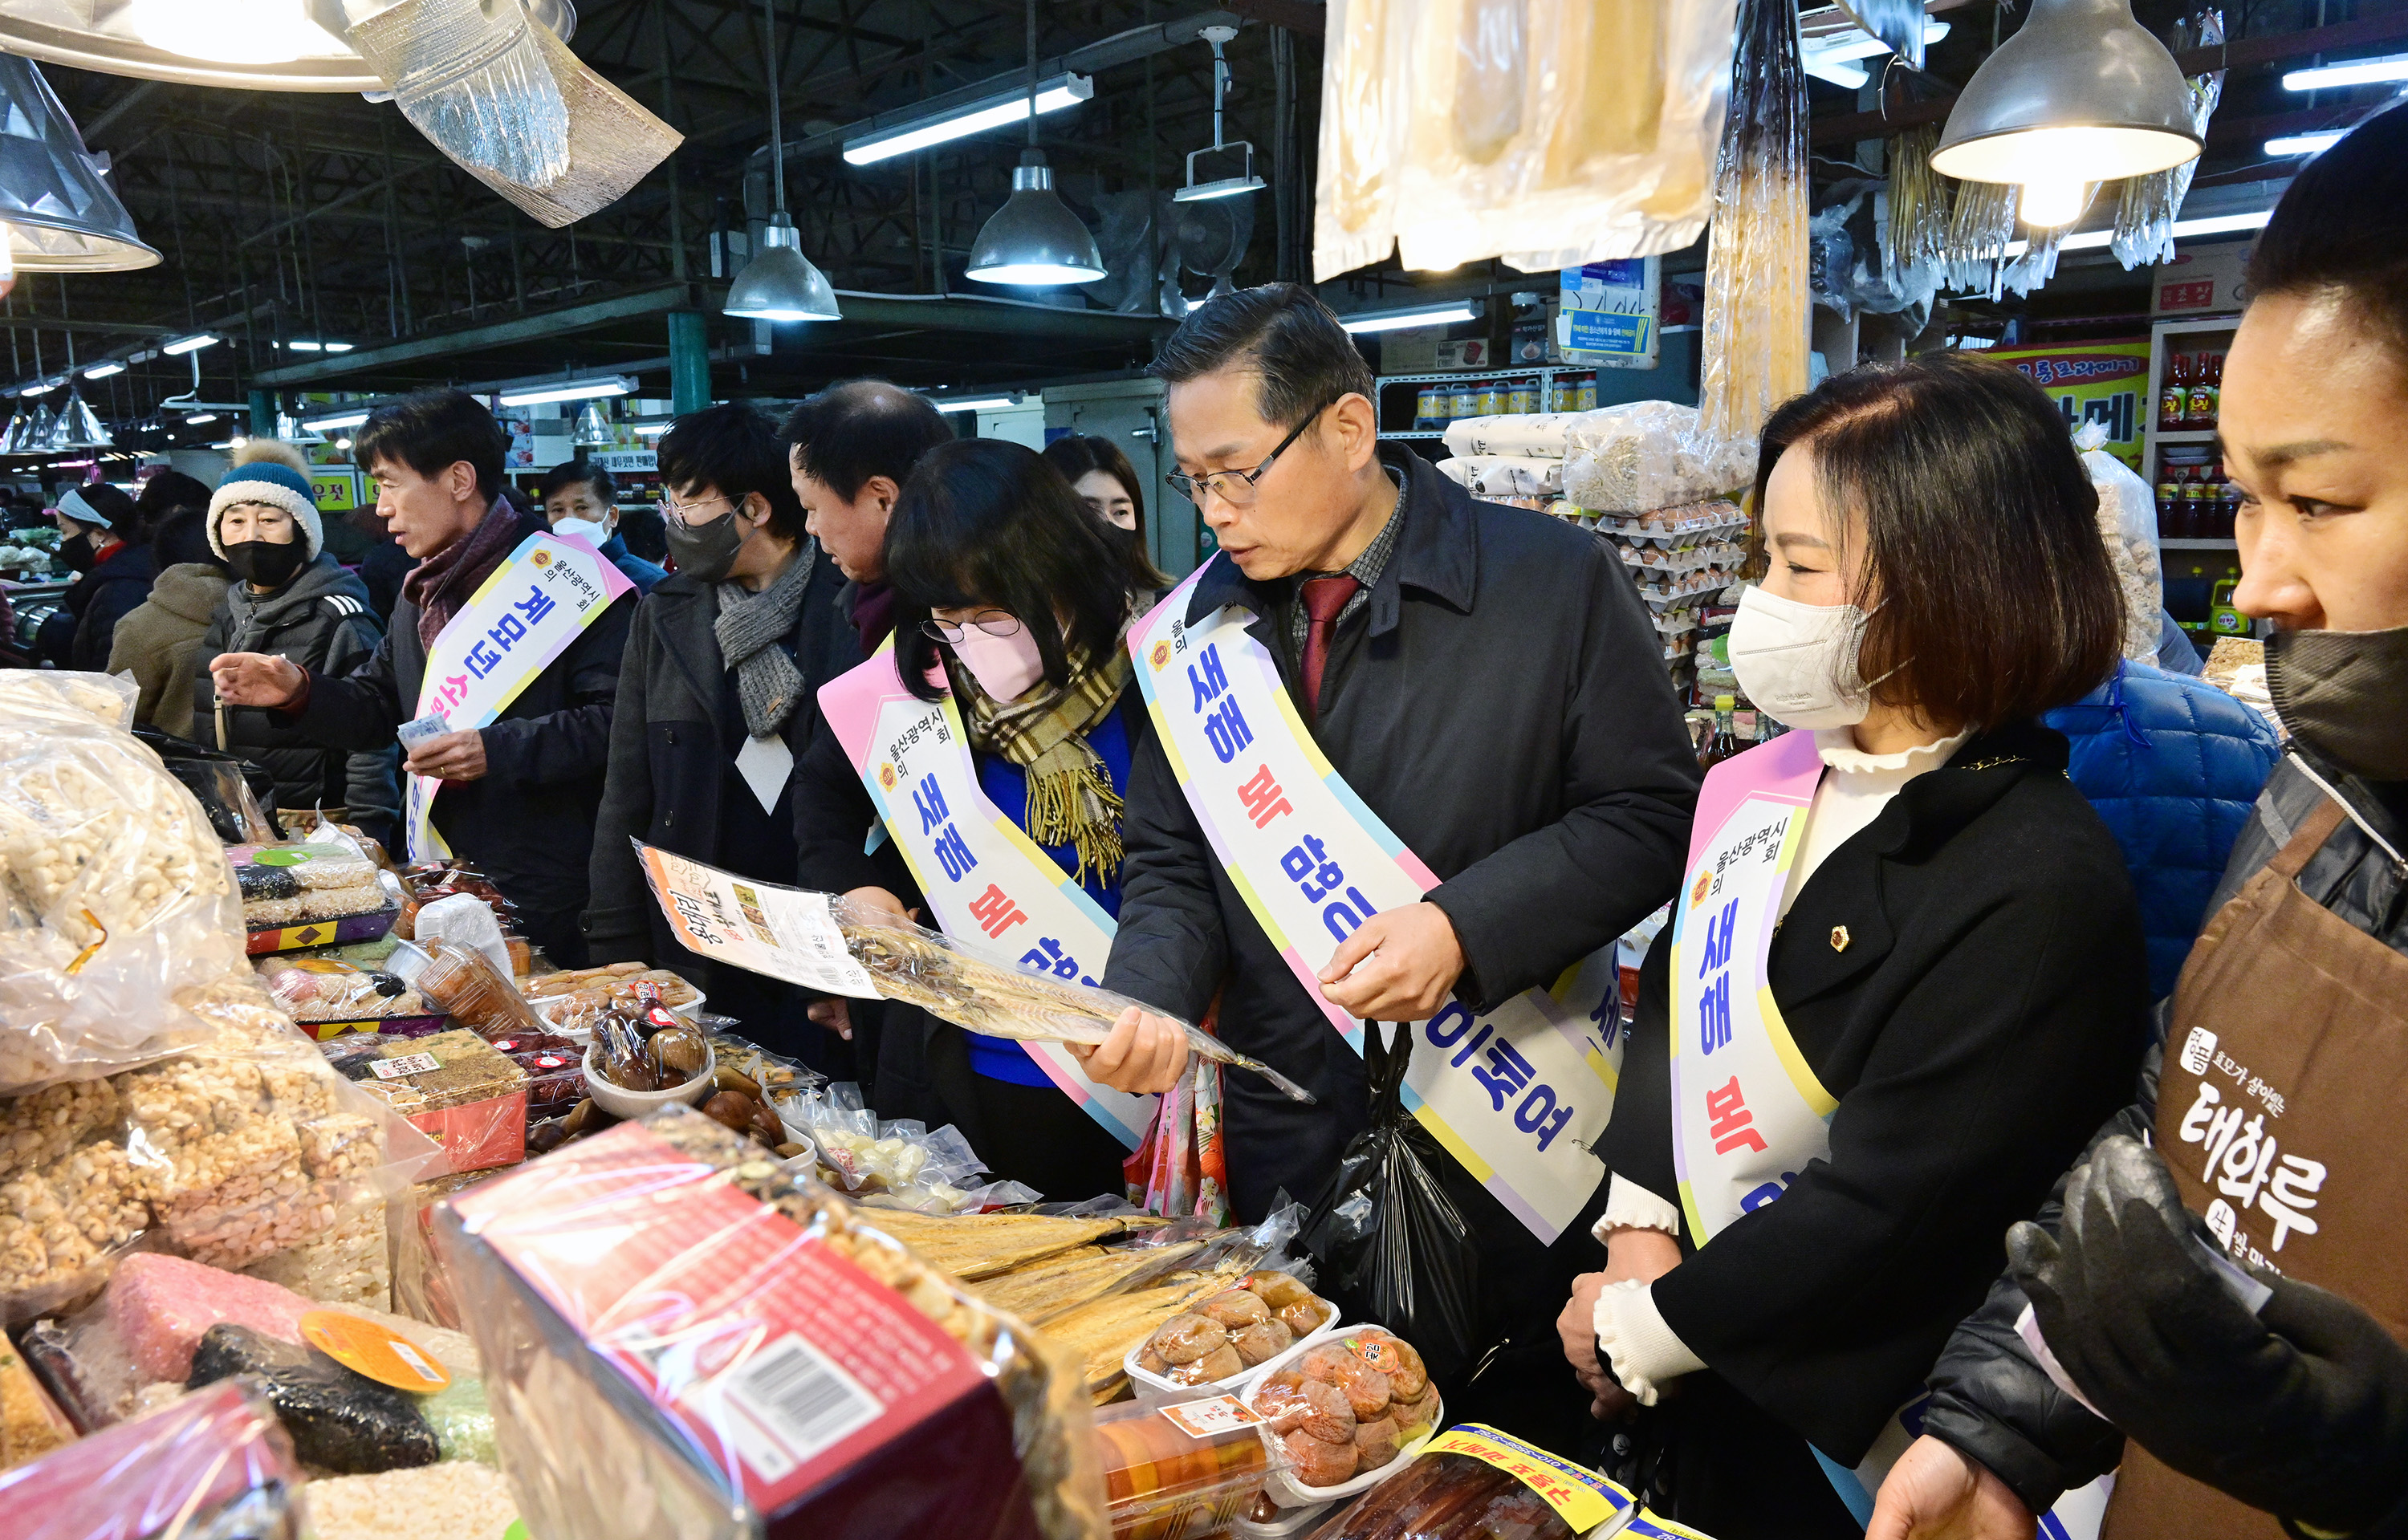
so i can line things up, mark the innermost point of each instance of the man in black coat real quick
(1486, 680)
(696, 768)
(519, 795)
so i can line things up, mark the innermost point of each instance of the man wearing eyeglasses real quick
(716, 702)
(518, 794)
(1484, 679)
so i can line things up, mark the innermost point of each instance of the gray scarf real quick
(750, 627)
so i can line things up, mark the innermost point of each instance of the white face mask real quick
(583, 528)
(1798, 662)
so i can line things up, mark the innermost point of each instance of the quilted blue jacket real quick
(2173, 765)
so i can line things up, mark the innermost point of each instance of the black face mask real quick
(266, 564)
(2339, 692)
(76, 552)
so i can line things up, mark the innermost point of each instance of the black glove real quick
(2300, 1410)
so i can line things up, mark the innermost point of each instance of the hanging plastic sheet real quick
(1550, 135)
(2146, 206)
(1757, 257)
(506, 99)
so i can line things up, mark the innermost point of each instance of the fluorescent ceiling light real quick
(199, 418)
(345, 420)
(190, 345)
(300, 347)
(976, 118)
(2304, 144)
(102, 371)
(652, 430)
(2360, 72)
(577, 389)
(1460, 310)
(1226, 188)
(338, 347)
(1828, 59)
(43, 389)
(976, 403)
(234, 32)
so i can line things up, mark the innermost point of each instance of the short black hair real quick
(733, 449)
(2343, 228)
(1302, 359)
(169, 491)
(432, 431)
(987, 521)
(1079, 455)
(849, 433)
(183, 537)
(578, 473)
(1995, 599)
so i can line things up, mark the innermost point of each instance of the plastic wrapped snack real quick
(1181, 1469)
(321, 892)
(241, 1146)
(900, 1162)
(114, 892)
(1505, 474)
(421, 1291)
(455, 1086)
(1647, 454)
(215, 1464)
(455, 1500)
(341, 1420)
(824, 1365)
(2127, 522)
(576, 1006)
(327, 995)
(1544, 434)
(1475, 1483)
(479, 995)
(31, 1423)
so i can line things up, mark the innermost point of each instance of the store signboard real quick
(2105, 382)
(336, 489)
(615, 461)
(2202, 280)
(1610, 314)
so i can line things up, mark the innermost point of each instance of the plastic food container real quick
(622, 1102)
(1182, 1470)
(1281, 1486)
(1160, 1382)
(1290, 1523)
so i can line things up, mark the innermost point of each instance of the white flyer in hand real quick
(759, 927)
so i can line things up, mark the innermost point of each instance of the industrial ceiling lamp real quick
(593, 430)
(77, 428)
(1245, 181)
(2081, 93)
(58, 213)
(1033, 239)
(36, 437)
(258, 45)
(780, 283)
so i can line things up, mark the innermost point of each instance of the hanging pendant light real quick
(2081, 93)
(1245, 181)
(58, 210)
(779, 283)
(257, 45)
(38, 431)
(593, 430)
(77, 428)
(14, 434)
(1034, 241)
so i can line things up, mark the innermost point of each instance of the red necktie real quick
(1324, 598)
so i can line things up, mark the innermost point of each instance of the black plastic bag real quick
(340, 1420)
(1393, 1246)
(236, 794)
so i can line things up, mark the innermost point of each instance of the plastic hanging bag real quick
(2146, 207)
(825, 1382)
(1393, 1246)
(466, 920)
(1754, 355)
(114, 889)
(1646, 455)
(2127, 522)
(229, 789)
(1548, 135)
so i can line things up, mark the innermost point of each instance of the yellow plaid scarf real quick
(1070, 796)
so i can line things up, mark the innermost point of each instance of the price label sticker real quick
(1581, 1498)
(1210, 1418)
(369, 1350)
(408, 1063)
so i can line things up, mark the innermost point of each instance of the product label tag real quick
(1581, 1498)
(784, 932)
(368, 1348)
(408, 1063)
(1212, 1418)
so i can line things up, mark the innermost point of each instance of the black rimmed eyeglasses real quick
(1236, 487)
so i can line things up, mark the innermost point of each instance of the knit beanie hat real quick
(276, 485)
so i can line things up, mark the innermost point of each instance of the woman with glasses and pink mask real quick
(989, 745)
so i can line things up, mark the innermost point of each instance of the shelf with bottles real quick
(1422, 406)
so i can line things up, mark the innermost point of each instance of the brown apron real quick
(2285, 1074)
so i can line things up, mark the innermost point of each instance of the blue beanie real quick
(278, 486)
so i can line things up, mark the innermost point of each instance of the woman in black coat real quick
(1957, 962)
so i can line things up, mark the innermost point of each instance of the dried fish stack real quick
(2145, 209)
(1914, 238)
(1757, 257)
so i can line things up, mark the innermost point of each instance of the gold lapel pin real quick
(1839, 938)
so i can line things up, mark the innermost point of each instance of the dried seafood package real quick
(1474, 1483)
(824, 1380)
(114, 892)
(1757, 258)
(214, 1463)
(827, 943)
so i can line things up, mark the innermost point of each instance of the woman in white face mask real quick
(1008, 640)
(1905, 975)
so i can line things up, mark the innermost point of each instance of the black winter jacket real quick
(322, 621)
(1990, 1398)
(528, 823)
(1986, 1010)
(667, 759)
(77, 634)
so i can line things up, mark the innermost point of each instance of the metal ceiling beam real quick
(525, 328)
